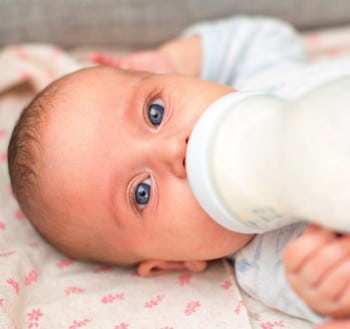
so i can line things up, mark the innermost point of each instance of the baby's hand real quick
(182, 56)
(151, 61)
(318, 268)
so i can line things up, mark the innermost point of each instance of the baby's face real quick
(113, 169)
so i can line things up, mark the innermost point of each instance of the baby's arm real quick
(182, 56)
(234, 51)
(318, 268)
(247, 52)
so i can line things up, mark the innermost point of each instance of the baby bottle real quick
(256, 162)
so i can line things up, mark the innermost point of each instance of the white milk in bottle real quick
(256, 162)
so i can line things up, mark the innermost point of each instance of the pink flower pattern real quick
(34, 315)
(33, 318)
(272, 325)
(154, 301)
(239, 307)
(64, 263)
(122, 325)
(79, 324)
(185, 278)
(110, 298)
(227, 284)
(31, 277)
(74, 290)
(2, 226)
(19, 215)
(192, 307)
(14, 284)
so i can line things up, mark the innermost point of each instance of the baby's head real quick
(97, 163)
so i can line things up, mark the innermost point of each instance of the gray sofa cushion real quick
(142, 23)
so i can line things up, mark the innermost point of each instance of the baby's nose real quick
(174, 152)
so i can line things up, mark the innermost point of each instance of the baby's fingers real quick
(331, 297)
(305, 247)
(336, 289)
(104, 59)
(325, 260)
(323, 281)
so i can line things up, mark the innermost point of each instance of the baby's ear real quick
(156, 267)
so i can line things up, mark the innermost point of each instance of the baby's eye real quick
(155, 112)
(143, 193)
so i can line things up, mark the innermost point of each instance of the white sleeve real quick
(236, 51)
(260, 272)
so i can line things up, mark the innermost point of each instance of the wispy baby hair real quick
(24, 149)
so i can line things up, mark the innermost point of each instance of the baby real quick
(97, 159)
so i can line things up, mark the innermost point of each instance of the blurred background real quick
(141, 23)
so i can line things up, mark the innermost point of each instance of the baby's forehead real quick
(90, 81)
(103, 72)
(93, 91)
(87, 97)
